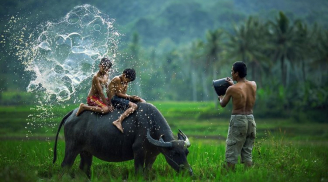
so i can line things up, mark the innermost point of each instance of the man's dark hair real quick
(130, 73)
(106, 62)
(241, 68)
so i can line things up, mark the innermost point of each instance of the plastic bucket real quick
(221, 86)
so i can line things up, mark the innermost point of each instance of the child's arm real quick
(137, 98)
(125, 96)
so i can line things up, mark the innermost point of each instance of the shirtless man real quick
(242, 129)
(96, 99)
(116, 93)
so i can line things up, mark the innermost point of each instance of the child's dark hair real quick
(130, 73)
(241, 68)
(106, 62)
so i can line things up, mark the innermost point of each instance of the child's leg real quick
(131, 109)
(83, 107)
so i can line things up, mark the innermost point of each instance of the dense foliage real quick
(178, 48)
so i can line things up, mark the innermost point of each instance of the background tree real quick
(196, 56)
(136, 63)
(212, 50)
(284, 47)
(246, 44)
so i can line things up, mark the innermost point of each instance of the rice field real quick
(284, 150)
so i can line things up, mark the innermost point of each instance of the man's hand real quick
(230, 81)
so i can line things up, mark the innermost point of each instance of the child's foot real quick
(81, 109)
(118, 125)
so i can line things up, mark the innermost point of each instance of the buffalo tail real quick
(60, 125)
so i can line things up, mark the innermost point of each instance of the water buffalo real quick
(146, 134)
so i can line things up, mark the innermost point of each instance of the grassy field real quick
(284, 150)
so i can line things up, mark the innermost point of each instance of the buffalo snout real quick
(186, 168)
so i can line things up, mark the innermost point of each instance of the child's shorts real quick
(95, 101)
(120, 103)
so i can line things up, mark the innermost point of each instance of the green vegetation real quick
(197, 119)
(178, 48)
(275, 160)
(284, 150)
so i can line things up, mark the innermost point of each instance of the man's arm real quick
(224, 99)
(98, 86)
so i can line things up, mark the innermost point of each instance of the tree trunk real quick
(139, 90)
(205, 88)
(283, 70)
(243, 57)
(253, 70)
(303, 71)
(194, 85)
(287, 73)
(215, 77)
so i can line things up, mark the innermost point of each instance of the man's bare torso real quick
(243, 97)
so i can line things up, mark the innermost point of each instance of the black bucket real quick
(221, 86)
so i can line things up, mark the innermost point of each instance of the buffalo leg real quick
(85, 164)
(70, 155)
(149, 162)
(139, 161)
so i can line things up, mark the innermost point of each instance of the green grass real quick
(275, 159)
(284, 150)
(187, 116)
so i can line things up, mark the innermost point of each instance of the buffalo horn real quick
(184, 137)
(159, 143)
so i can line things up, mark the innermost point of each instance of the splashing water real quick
(61, 55)
(65, 53)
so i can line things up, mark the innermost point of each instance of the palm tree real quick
(320, 56)
(247, 44)
(282, 35)
(304, 41)
(195, 57)
(213, 47)
(134, 50)
(240, 42)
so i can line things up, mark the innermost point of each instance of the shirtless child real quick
(96, 99)
(242, 129)
(116, 93)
